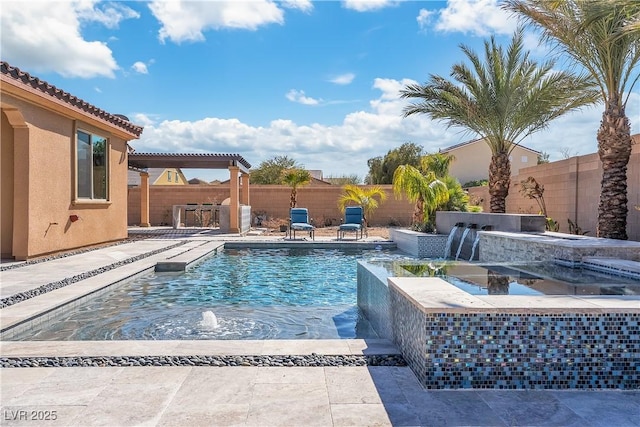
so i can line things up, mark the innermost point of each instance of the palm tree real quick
(369, 198)
(295, 178)
(439, 163)
(503, 99)
(423, 189)
(603, 37)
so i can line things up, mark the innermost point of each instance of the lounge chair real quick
(353, 221)
(299, 221)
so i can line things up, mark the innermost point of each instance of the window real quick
(176, 176)
(169, 176)
(91, 166)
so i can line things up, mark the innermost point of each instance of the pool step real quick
(189, 256)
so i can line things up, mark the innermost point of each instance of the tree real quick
(294, 178)
(425, 190)
(503, 99)
(603, 37)
(343, 180)
(367, 197)
(438, 163)
(270, 171)
(381, 169)
(543, 158)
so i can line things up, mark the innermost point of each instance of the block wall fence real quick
(571, 191)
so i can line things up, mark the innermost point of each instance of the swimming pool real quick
(283, 293)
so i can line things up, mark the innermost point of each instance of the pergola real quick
(238, 177)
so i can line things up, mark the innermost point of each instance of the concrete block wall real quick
(571, 191)
(322, 203)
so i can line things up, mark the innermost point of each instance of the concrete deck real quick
(244, 395)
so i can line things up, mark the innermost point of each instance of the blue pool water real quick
(236, 294)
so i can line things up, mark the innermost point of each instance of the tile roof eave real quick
(12, 76)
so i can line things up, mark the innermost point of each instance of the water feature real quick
(463, 238)
(452, 234)
(476, 241)
(209, 320)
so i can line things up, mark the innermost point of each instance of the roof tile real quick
(46, 88)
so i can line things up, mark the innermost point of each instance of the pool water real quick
(235, 294)
(542, 278)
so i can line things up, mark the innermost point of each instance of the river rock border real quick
(31, 293)
(312, 360)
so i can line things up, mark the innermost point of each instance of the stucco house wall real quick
(472, 160)
(38, 151)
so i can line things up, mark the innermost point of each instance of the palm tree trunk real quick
(294, 198)
(418, 212)
(499, 181)
(614, 149)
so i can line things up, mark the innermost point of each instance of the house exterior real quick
(472, 160)
(64, 169)
(159, 176)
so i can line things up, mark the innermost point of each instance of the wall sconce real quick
(73, 218)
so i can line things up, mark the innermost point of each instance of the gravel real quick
(314, 359)
(31, 293)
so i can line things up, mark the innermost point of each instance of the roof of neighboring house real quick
(133, 177)
(187, 161)
(462, 144)
(10, 74)
(198, 181)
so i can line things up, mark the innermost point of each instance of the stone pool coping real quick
(431, 294)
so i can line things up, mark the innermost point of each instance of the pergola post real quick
(144, 199)
(234, 199)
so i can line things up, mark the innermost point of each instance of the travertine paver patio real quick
(249, 395)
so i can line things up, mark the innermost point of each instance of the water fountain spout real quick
(464, 236)
(477, 240)
(452, 233)
(209, 320)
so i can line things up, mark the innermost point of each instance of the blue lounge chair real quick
(299, 221)
(353, 221)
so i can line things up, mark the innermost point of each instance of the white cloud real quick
(303, 5)
(343, 79)
(140, 67)
(42, 37)
(344, 149)
(368, 5)
(424, 18)
(477, 17)
(186, 20)
(109, 14)
(298, 96)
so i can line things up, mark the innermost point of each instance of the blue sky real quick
(316, 81)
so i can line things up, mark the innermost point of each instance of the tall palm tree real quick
(369, 198)
(295, 178)
(423, 189)
(603, 37)
(504, 99)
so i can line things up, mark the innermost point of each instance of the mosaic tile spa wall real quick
(519, 350)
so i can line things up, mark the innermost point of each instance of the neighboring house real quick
(472, 160)
(64, 169)
(198, 181)
(159, 176)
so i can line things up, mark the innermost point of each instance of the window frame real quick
(94, 134)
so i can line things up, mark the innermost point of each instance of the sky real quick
(318, 82)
